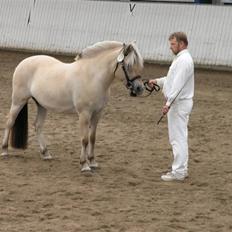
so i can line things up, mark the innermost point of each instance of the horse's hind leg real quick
(84, 120)
(14, 111)
(92, 139)
(39, 122)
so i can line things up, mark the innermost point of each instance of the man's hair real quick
(180, 36)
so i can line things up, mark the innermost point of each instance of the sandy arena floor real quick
(126, 193)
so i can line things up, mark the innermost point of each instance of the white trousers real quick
(178, 117)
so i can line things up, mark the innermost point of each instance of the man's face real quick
(175, 46)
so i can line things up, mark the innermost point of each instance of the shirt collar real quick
(182, 52)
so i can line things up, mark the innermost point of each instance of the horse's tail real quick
(19, 132)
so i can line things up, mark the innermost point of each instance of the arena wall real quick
(68, 26)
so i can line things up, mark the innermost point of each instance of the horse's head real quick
(128, 59)
(131, 62)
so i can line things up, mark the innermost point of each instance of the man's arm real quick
(181, 78)
(157, 81)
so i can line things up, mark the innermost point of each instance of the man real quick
(178, 90)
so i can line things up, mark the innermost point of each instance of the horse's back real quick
(32, 63)
(28, 67)
(47, 80)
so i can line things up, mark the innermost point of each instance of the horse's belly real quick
(52, 93)
(58, 108)
(55, 103)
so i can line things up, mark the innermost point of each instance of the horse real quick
(81, 86)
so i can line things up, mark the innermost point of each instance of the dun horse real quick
(81, 87)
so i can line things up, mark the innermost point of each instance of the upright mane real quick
(134, 57)
(97, 48)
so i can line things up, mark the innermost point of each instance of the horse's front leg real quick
(84, 121)
(92, 138)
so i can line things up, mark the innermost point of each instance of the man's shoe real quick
(173, 177)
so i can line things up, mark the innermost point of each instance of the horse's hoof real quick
(94, 165)
(85, 168)
(4, 154)
(46, 157)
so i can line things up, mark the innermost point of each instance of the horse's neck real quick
(104, 67)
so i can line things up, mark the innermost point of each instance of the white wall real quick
(67, 26)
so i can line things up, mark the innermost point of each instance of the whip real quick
(171, 103)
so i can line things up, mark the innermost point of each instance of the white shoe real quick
(173, 176)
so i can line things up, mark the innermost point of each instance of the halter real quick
(129, 82)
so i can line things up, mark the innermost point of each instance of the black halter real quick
(129, 81)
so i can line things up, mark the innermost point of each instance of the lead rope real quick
(150, 89)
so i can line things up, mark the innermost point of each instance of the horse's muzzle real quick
(136, 88)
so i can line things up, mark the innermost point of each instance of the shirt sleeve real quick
(160, 81)
(181, 78)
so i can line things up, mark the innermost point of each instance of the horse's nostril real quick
(139, 89)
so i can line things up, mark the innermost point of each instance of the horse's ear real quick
(78, 57)
(128, 49)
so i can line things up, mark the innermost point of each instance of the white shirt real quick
(179, 82)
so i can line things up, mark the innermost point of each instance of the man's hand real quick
(152, 82)
(165, 109)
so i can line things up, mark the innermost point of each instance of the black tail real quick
(19, 132)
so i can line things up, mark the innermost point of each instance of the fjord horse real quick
(81, 87)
